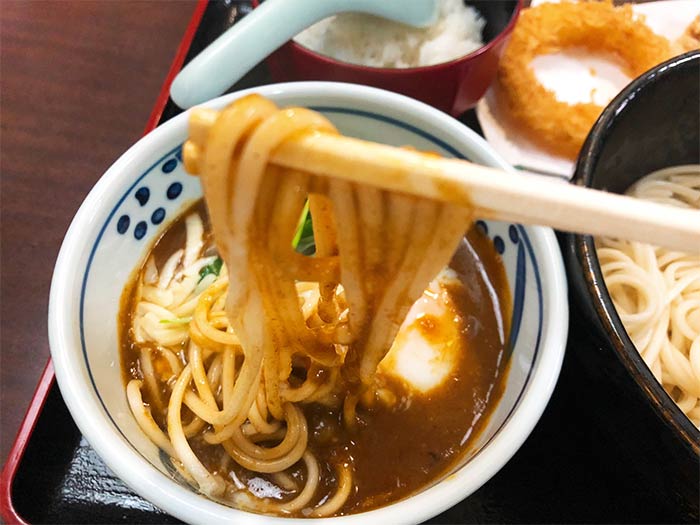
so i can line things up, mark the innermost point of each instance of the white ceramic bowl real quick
(135, 199)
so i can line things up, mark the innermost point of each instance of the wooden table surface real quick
(77, 82)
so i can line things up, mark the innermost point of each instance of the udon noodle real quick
(276, 329)
(657, 292)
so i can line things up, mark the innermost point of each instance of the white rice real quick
(372, 41)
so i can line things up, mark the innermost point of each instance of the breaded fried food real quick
(690, 39)
(597, 27)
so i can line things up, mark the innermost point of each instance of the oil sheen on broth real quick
(445, 371)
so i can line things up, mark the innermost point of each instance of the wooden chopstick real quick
(493, 193)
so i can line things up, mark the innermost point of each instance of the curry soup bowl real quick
(146, 189)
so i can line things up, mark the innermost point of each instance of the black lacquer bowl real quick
(652, 124)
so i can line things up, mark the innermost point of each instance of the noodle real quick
(657, 292)
(276, 329)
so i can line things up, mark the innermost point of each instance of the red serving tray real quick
(570, 469)
(7, 510)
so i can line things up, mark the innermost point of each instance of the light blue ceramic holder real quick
(269, 26)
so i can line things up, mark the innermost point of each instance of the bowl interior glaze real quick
(498, 14)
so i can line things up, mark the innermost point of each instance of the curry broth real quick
(393, 452)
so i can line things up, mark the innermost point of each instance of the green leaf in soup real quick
(303, 240)
(177, 320)
(211, 269)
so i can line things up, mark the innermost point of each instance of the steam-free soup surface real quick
(394, 451)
